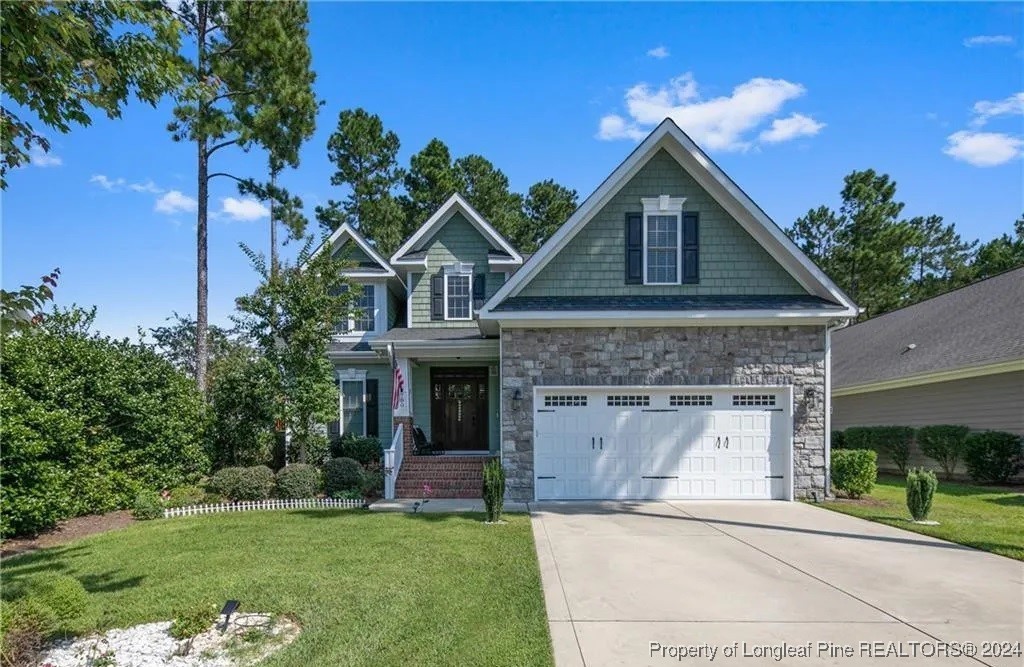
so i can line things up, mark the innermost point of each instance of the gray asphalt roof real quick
(430, 333)
(717, 302)
(346, 346)
(979, 324)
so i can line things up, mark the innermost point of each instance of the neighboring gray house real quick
(957, 358)
(668, 341)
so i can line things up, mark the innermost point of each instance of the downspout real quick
(828, 401)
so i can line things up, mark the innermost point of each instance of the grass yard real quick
(368, 588)
(983, 517)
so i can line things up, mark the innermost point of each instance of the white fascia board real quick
(931, 378)
(639, 318)
(715, 181)
(353, 356)
(455, 203)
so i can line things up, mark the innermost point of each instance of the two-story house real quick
(668, 341)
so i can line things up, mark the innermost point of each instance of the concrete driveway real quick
(771, 583)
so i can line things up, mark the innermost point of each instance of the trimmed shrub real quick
(253, 483)
(183, 496)
(193, 621)
(838, 440)
(148, 505)
(854, 471)
(944, 444)
(921, 485)
(494, 490)
(299, 480)
(342, 475)
(24, 626)
(892, 442)
(372, 485)
(65, 597)
(365, 450)
(993, 456)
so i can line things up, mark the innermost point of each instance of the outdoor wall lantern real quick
(517, 398)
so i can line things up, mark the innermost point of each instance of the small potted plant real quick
(921, 485)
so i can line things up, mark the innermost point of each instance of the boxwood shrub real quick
(838, 440)
(252, 483)
(892, 442)
(299, 480)
(72, 612)
(342, 475)
(993, 456)
(944, 444)
(365, 450)
(854, 471)
(148, 505)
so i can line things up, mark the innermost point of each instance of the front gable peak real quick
(369, 263)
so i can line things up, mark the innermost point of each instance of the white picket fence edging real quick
(248, 505)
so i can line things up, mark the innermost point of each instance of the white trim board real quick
(710, 177)
(456, 203)
(931, 378)
(336, 240)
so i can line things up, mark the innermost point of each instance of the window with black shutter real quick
(437, 297)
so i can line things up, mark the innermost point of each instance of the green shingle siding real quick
(352, 252)
(593, 262)
(457, 241)
(381, 373)
(421, 399)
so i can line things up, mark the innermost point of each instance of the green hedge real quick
(854, 471)
(299, 480)
(993, 456)
(944, 444)
(87, 422)
(252, 483)
(342, 475)
(365, 450)
(892, 442)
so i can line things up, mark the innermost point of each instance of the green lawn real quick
(368, 588)
(983, 517)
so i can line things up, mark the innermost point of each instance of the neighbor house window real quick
(458, 296)
(663, 255)
(365, 313)
(353, 407)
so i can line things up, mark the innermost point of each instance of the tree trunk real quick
(273, 229)
(202, 276)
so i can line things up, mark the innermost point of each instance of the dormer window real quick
(363, 317)
(458, 292)
(662, 240)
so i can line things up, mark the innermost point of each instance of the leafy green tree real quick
(486, 188)
(61, 61)
(88, 421)
(1001, 254)
(176, 342)
(430, 180)
(249, 83)
(241, 405)
(940, 254)
(366, 159)
(291, 317)
(546, 207)
(22, 308)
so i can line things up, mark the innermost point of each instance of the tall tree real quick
(249, 84)
(939, 254)
(816, 234)
(429, 182)
(60, 61)
(1002, 253)
(546, 207)
(176, 342)
(486, 189)
(365, 156)
(291, 317)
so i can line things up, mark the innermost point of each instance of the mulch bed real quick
(67, 531)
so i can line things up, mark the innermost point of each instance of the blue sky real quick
(787, 98)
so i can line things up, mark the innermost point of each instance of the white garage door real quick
(678, 442)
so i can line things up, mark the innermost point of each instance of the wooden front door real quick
(458, 409)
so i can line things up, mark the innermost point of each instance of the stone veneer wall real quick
(756, 355)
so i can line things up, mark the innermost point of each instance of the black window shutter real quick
(691, 248)
(479, 289)
(437, 297)
(372, 426)
(634, 249)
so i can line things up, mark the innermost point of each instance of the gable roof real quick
(411, 253)
(967, 328)
(737, 203)
(345, 233)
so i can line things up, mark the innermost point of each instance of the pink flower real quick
(427, 491)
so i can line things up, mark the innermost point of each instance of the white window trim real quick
(350, 375)
(380, 315)
(460, 269)
(664, 205)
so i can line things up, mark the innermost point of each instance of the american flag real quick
(399, 387)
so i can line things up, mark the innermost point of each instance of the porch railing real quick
(393, 462)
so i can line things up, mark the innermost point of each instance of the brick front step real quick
(448, 476)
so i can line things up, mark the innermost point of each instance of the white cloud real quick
(244, 209)
(148, 186)
(983, 149)
(175, 201)
(986, 110)
(796, 125)
(112, 185)
(658, 52)
(37, 157)
(719, 123)
(988, 40)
